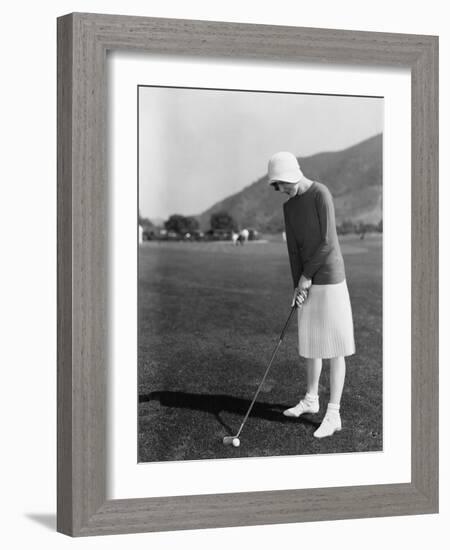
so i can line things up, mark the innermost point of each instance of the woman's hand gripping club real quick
(301, 291)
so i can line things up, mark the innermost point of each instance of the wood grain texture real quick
(257, 508)
(83, 318)
(425, 274)
(64, 277)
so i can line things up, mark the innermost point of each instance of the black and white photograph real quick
(221, 305)
(260, 273)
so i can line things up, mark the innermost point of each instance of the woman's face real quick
(288, 188)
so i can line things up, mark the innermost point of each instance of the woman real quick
(325, 324)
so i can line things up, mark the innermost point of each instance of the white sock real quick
(309, 404)
(331, 422)
(310, 397)
(333, 408)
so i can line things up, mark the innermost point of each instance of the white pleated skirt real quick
(325, 323)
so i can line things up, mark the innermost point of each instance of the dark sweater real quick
(312, 241)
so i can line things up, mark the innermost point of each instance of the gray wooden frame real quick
(83, 40)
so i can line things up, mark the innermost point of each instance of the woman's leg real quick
(337, 378)
(313, 370)
(332, 419)
(310, 403)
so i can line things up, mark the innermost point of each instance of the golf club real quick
(234, 439)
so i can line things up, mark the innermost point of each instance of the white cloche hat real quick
(283, 166)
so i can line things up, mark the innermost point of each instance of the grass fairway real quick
(210, 315)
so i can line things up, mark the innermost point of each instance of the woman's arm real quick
(294, 256)
(325, 210)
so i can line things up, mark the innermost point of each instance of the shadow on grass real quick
(216, 404)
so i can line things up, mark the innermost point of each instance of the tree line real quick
(220, 221)
(350, 226)
(223, 221)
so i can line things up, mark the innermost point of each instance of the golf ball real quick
(236, 442)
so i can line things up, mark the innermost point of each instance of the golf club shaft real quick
(293, 308)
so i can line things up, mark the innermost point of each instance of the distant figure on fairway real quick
(234, 238)
(243, 236)
(325, 322)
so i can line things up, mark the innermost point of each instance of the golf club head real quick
(228, 440)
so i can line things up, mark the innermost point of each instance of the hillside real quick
(353, 175)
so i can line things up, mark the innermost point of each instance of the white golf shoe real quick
(307, 405)
(331, 423)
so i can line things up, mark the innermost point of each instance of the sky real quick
(198, 146)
